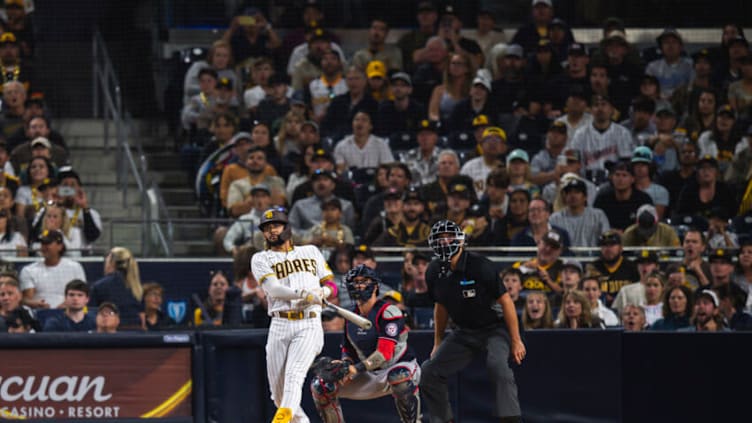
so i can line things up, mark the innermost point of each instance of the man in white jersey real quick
(295, 280)
(43, 282)
(603, 140)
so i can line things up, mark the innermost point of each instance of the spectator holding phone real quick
(250, 35)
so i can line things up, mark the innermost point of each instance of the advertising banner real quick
(97, 383)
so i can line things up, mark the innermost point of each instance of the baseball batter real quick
(295, 279)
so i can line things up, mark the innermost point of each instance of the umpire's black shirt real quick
(469, 292)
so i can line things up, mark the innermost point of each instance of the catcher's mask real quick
(276, 215)
(446, 246)
(366, 276)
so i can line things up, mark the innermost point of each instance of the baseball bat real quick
(356, 319)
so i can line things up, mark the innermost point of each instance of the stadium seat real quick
(462, 140)
(361, 175)
(402, 141)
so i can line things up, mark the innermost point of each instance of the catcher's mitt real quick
(330, 370)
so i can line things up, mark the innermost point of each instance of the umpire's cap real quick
(275, 214)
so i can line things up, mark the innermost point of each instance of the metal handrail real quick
(107, 96)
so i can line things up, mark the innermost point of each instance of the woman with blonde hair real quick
(121, 285)
(458, 78)
(55, 218)
(288, 136)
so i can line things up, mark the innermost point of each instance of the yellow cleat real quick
(283, 415)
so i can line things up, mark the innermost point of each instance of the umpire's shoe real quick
(283, 415)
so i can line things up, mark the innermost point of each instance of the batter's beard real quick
(276, 243)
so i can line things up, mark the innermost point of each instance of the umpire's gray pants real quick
(455, 353)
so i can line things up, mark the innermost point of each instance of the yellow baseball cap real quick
(480, 120)
(376, 69)
(494, 131)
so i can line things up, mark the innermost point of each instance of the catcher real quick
(374, 362)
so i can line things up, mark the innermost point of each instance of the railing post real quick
(146, 227)
(95, 76)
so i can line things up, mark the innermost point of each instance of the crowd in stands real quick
(39, 191)
(535, 140)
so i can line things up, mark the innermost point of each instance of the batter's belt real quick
(295, 315)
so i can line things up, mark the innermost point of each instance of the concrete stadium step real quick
(109, 195)
(171, 179)
(95, 142)
(164, 160)
(190, 211)
(92, 159)
(117, 211)
(179, 196)
(91, 127)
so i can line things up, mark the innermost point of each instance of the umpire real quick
(466, 287)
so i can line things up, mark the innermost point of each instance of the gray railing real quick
(108, 103)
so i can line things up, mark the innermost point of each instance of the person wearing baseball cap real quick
(477, 103)
(545, 166)
(321, 160)
(459, 202)
(328, 85)
(708, 179)
(603, 140)
(529, 34)
(399, 116)
(423, 159)
(643, 170)
(612, 268)
(672, 70)
(363, 254)
(574, 96)
(543, 272)
(412, 43)
(720, 235)
(412, 229)
(583, 223)
(571, 274)
(235, 169)
(377, 81)
(76, 204)
(649, 231)
(518, 167)
(108, 318)
(707, 316)
(621, 199)
(721, 265)
(242, 231)
(493, 147)
(647, 263)
(306, 213)
(331, 232)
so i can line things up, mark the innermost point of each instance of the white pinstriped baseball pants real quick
(291, 347)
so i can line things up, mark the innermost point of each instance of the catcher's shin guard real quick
(326, 401)
(405, 393)
(283, 415)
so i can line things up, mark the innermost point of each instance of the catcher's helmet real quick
(276, 215)
(446, 247)
(361, 271)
